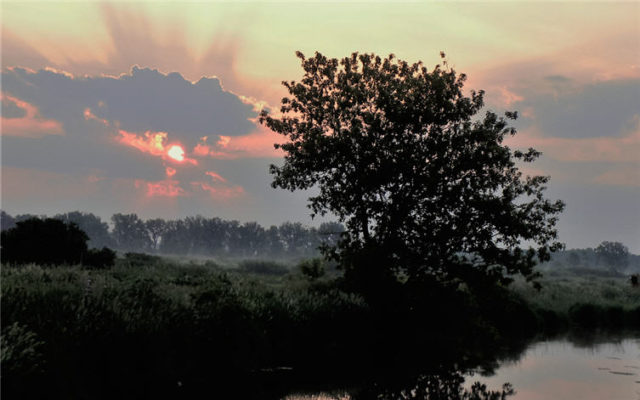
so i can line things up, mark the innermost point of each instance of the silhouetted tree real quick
(274, 242)
(425, 185)
(330, 233)
(156, 228)
(43, 241)
(614, 255)
(92, 225)
(6, 221)
(130, 233)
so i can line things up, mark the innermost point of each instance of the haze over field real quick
(151, 107)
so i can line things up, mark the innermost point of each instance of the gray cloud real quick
(560, 107)
(143, 100)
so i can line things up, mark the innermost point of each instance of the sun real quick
(176, 152)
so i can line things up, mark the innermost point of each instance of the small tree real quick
(614, 255)
(425, 186)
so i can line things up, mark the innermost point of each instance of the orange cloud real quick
(216, 177)
(254, 145)
(31, 125)
(154, 143)
(166, 188)
(88, 115)
(224, 141)
(508, 97)
(220, 193)
(170, 171)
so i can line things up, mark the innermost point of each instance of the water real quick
(562, 370)
(552, 370)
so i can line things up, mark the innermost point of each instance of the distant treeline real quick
(197, 236)
(609, 258)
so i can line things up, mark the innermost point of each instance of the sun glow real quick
(176, 152)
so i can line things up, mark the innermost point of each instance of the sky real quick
(150, 107)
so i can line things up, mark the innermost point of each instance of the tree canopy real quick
(614, 254)
(424, 183)
(48, 241)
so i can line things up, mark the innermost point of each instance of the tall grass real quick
(587, 301)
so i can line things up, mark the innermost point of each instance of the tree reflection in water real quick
(445, 386)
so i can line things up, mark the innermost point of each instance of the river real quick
(559, 369)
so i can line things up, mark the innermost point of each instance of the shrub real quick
(312, 269)
(140, 260)
(263, 267)
(20, 356)
(99, 259)
(44, 242)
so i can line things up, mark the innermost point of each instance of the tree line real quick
(196, 235)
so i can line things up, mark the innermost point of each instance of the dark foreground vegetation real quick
(164, 329)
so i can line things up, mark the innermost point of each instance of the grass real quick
(583, 301)
(560, 293)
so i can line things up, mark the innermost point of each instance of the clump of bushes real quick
(262, 267)
(52, 242)
(45, 242)
(99, 259)
(137, 260)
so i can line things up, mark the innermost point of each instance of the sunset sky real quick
(151, 107)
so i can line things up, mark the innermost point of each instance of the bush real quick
(312, 269)
(44, 242)
(21, 354)
(140, 260)
(99, 259)
(263, 267)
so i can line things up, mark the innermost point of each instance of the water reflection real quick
(442, 386)
(561, 370)
(549, 370)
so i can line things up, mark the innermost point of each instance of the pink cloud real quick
(88, 115)
(220, 192)
(254, 145)
(202, 150)
(608, 149)
(166, 188)
(224, 141)
(508, 97)
(31, 125)
(216, 177)
(154, 143)
(629, 176)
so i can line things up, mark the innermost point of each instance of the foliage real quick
(92, 225)
(103, 258)
(312, 269)
(614, 254)
(199, 236)
(425, 186)
(48, 241)
(6, 221)
(129, 233)
(263, 267)
(21, 352)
